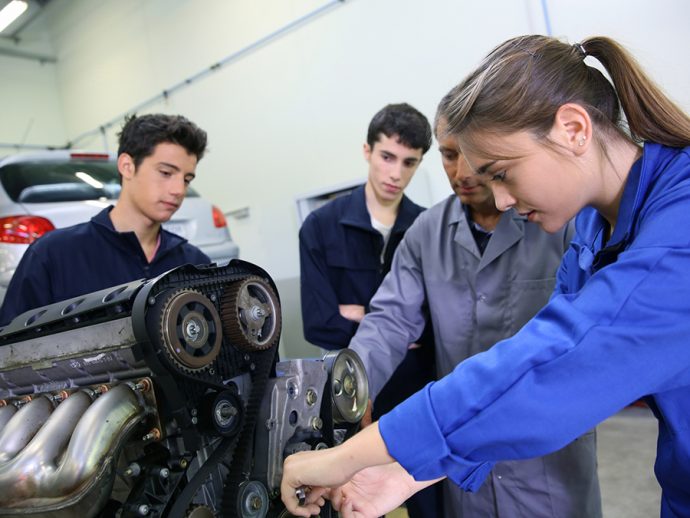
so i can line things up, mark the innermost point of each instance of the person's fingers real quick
(300, 511)
(289, 497)
(346, 510)
(315, 494)
(336, 498)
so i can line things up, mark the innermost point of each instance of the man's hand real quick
(353, 312)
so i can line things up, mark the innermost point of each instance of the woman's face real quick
(543, 183)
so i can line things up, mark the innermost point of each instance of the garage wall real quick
(30, 104)
(290, 116)
(30, 107)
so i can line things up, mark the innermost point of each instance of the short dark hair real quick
(140, 135)
(403, 120)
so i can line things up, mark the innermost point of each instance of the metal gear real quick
(190, 330)
(250, 312)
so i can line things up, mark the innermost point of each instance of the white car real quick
(46, 190)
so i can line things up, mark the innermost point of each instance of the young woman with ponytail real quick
(557, 139)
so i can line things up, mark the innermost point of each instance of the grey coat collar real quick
(510, 230)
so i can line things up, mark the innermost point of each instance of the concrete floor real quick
(626, 447)
(626, 450)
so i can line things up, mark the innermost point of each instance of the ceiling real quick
(11, 37)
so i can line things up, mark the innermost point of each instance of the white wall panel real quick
(30, 108)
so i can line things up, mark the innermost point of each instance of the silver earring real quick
(582, 141)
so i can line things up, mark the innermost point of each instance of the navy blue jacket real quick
(88, 257)
(340, 263)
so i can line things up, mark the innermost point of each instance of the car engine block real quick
(164, 398)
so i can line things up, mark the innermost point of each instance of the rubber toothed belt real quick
(225, 452)
(242, 443)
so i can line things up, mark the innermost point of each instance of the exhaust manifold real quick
(59, 458)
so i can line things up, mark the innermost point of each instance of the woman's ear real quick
(572, 128)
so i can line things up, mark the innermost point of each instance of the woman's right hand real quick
(315, 472)
(319, 471)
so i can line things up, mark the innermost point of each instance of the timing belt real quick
(246, 438)
(225, 451)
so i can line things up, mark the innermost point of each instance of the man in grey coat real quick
(479, 275)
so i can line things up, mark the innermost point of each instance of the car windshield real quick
(74, 180)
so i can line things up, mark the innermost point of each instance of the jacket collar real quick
(591, 225)
(509, 230)
(357, 215)
(129, 241)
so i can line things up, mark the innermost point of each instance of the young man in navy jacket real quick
(157, 160)
(347, 246)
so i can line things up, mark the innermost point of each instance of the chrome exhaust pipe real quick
(93, 441)
(23, 426)
(67, 467)
(6, 413)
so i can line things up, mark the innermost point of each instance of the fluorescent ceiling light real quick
(11, 12)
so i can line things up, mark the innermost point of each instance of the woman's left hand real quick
(374, 491)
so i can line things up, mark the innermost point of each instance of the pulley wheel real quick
(349, 385)
(251, 314)
(226, 413)
(190, 329)
(252, 500)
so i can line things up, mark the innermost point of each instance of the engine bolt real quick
(143, 510)
(311, 397)
(256, 502)
(349, 385)
(153, 435)
(164, 473)
(62, 395)
(144, 385)
(292, 389)
(228, 411)
(133, 470)
(316, 423)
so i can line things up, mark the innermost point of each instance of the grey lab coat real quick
(475, 301)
